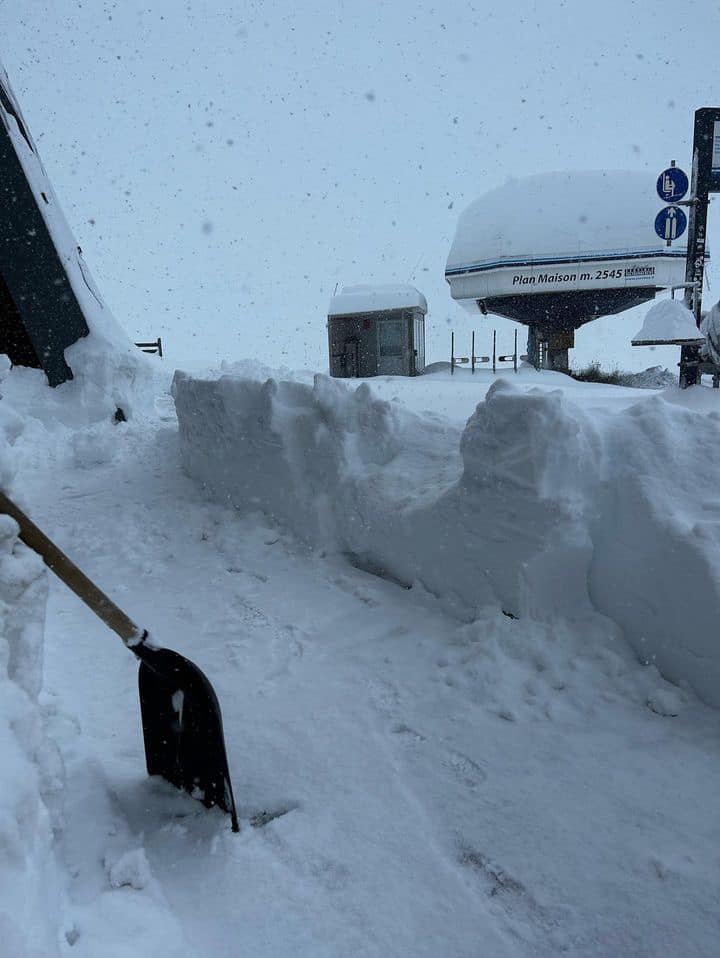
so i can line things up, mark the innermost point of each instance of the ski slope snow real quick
(439, 780)
(464, 669)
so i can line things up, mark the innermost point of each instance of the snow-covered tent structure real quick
(669, 321)
(377, 331)
(556, 250)
(41, 269)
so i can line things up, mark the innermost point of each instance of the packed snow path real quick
(499, 788)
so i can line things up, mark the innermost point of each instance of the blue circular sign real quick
(670, 223)
(672, 184)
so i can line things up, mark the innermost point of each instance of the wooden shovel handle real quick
(74, 579)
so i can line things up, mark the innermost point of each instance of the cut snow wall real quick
(32, 778)
(552, 516)
(352, 473)
(32, 773)
(656, 538)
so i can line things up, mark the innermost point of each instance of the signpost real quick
(672, 184)
(670, 223)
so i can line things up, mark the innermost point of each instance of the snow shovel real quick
(181, 719)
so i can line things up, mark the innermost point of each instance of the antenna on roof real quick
(414, 269)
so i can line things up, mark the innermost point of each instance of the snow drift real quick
(42, 430)
(546, 513)
(655, 567)
(32, 771)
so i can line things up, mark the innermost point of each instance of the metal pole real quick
(472, 359)
(695, 260)
(689, 356)
(515, 353)
(452, 354)
(697, 229)
(494, 342)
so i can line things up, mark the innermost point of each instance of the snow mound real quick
(655, 568)
(548, 514)
(668, 321)
(130, 870)
(30, 905)
(287, 446)
(654, 377)
(506, 444)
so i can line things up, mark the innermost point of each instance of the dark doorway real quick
(351, 356)
(14, 340)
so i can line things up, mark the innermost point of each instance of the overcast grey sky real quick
(225, 164)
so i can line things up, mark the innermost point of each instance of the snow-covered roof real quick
(562, 214)
(94, 310)
(105, 363)
(371, 299)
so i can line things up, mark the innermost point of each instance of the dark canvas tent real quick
(40, 315)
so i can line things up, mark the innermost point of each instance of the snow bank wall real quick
(552, 515)
(352, 473)
(656, 539)
(31, 770)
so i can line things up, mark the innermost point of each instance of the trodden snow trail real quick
(259, 607)
(496, 788)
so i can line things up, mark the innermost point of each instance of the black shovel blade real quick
(182, 728)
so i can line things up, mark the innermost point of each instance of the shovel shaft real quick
(56, 560)
(182, 722)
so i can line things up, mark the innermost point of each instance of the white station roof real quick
(373, 299)
(559, 214)
(562, 231)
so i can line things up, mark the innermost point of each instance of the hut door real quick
(351, 358)
(392, 348)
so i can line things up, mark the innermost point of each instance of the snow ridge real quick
(537, 523)
(30, 885)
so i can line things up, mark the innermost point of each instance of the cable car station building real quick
(377, 331)
(557, 250)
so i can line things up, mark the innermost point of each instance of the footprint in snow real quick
(466, 771)
(411, 735)
(528, 919)
(385, 697)
(130, 869)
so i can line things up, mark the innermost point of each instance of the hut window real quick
(391, 337)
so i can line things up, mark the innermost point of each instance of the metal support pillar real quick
(704, 180)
